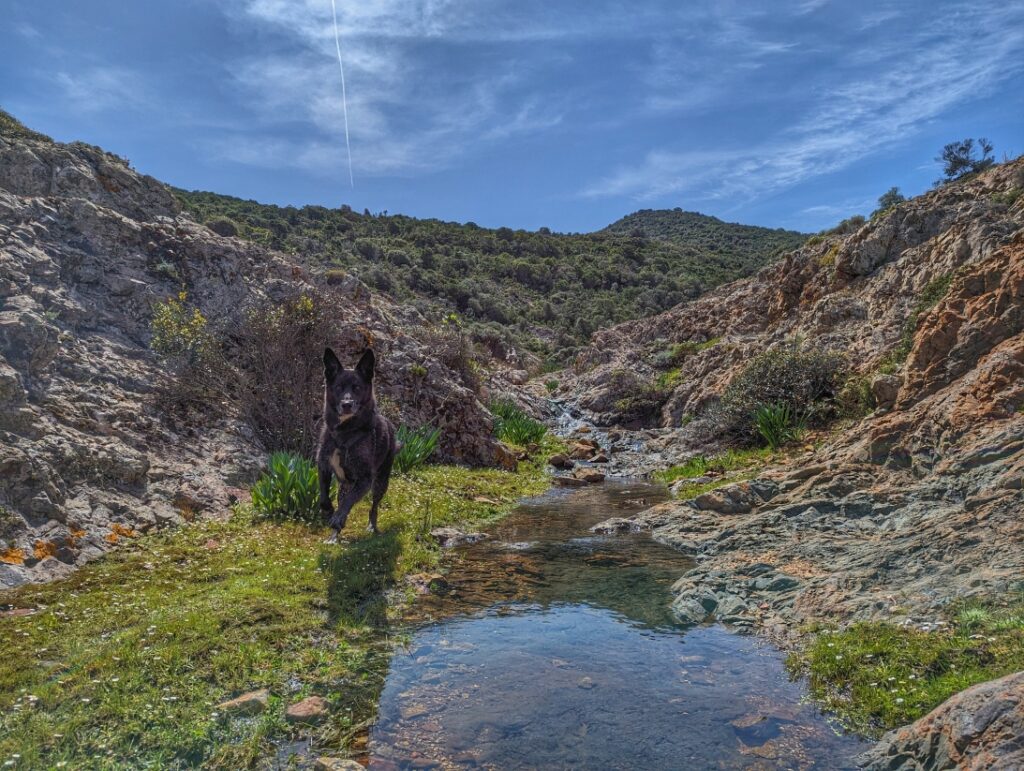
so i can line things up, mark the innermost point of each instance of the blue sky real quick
(529, 113)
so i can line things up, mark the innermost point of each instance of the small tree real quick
(959, 159)
(890, 198)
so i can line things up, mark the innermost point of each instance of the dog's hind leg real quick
(380, 487)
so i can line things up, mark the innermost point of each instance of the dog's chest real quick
(339, 470)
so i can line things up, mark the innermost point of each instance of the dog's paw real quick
(373, 529)
(333, 538)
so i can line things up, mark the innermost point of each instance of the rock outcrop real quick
(88, 247)
(980, 728)
(908, 508)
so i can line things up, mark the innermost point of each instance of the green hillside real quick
(708, 233)
(539, 291)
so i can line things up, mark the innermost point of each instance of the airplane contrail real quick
(344, 97)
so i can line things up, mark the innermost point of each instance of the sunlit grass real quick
(123, 663)
(876, 676)
(731, 466)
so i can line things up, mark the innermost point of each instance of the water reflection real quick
(555, 649)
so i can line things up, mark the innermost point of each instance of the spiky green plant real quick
(777, 424)
(514, 426)
(417, 445)
(288, 489)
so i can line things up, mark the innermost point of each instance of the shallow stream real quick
(555, 648)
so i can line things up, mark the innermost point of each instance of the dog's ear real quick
(366, 364)
(332, 366)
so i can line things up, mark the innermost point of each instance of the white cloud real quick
(95, 89)
(405, 112)
(910, 81)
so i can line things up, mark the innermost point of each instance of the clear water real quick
(554, 648)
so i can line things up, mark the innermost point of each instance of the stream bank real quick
(554, 646)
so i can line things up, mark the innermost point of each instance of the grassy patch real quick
(726, 463)
(877, 676)
(123, 663)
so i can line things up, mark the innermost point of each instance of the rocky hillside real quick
(899, 510)
(537, 293)
(88, 249)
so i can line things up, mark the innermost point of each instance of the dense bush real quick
(514, 426)
(534, 291)
(417, 445)
(288, 489)
(179, 330)
(790, 377)
(266, 360)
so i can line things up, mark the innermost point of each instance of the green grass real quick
(123, 663)
(731, 461)
(876, 676)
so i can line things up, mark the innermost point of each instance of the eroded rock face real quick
(980, 728)
(850, 294)
(87, 460)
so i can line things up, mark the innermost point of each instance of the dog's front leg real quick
(326, 475)
(345, 504)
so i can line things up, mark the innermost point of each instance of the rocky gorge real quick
(905, 501)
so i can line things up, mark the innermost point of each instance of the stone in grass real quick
(561, 460)
(311, 710)
(251, 703)
(336, 764)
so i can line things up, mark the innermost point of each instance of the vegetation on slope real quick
(123, 663)
(537, 291)
(706, 233)
(13, 128)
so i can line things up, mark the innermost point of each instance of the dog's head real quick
(348, 392)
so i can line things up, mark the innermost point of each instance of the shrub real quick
(778, 425)
(783, 377)
(417, 445)
(453, 347)
(288, 489)
(551, 385)
(179, 330)
(223, 226)
(266, 361)
(277, 354)
(514, 426)
(855, 399)
(888, 200)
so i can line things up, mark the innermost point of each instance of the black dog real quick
(357, 443)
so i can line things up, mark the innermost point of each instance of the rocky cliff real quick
(896, 513)
(88, 248)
